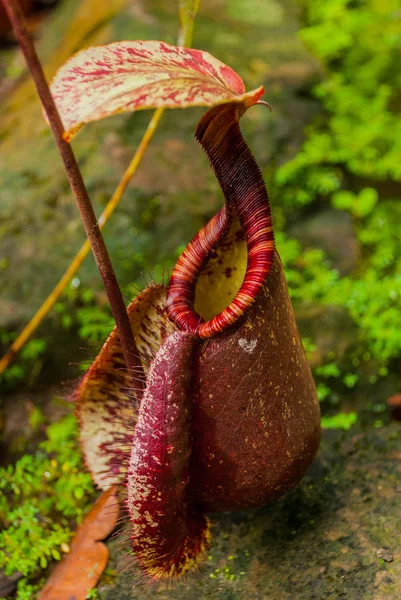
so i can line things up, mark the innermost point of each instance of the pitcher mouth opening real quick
(222, 274)
(240, 232)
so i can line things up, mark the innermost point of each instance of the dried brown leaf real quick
(81, 569)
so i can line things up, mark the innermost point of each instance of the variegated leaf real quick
(105, 400)
(127, 76)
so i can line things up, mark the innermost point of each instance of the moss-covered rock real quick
(338, 535)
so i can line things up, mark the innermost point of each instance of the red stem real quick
(88, 216)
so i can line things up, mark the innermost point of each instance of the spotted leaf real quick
(106, 400)
(126, 76)
(169, 534)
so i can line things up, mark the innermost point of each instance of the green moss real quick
(26, 590)
(356, 135)
(42, 497)
(29, 360)
(340, 421)
(361, 127)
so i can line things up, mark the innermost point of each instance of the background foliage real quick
(334, 181)
(42, 496)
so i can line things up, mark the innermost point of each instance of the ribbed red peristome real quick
(242, 183)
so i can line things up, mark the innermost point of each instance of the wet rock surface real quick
(335, 536)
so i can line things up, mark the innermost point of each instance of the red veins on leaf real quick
(126, 76)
